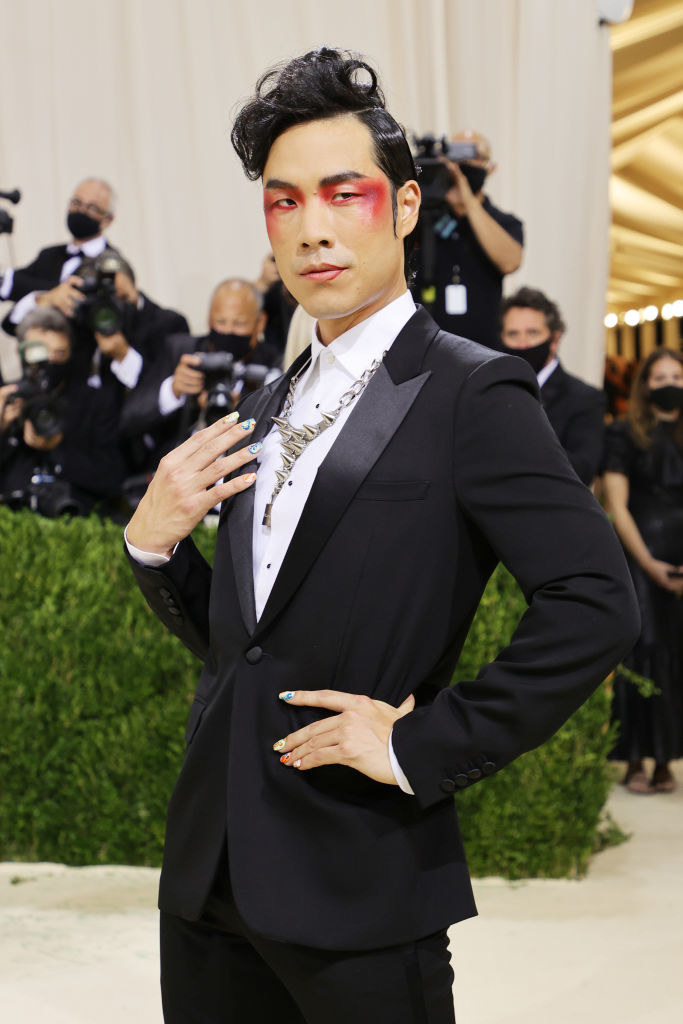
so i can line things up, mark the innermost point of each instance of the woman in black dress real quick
(644, 486)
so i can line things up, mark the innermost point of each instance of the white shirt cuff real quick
(168, 402)
(150, 559)
(23, 307)
(398, 773)
(128, 369)
(7, 282)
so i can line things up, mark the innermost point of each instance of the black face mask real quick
(236, 344)
(536, 357)
(667, 398)
(82, 225)
(476, 176)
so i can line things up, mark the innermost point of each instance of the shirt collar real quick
(92, 248)
(356, 349)
(543, 374)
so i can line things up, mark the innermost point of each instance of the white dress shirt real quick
(92, 248)
(332, 371)
(546, 371)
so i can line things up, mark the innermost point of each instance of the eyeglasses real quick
(93, 208)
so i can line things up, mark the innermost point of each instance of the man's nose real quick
(315, 225)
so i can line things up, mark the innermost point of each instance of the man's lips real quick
(322, 272)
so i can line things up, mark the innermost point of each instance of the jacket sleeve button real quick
(474, 774)
(447, 786)
(489, 768)
(460, 781)
(254, 655)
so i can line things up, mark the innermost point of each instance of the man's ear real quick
(555, 342)
(408, 208)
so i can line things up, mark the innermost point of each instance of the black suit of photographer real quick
(141, 413)
(88, 456)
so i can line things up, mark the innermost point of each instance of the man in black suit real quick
(52, 278)
(76, 445)
(313, 860)
(531, 327)
(172, 391)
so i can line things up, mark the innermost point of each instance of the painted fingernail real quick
(247, 425)
(249, 479)
(286, 695)
(280, 745)
(256, 447)
(297, 763)
(232, 418)
(285, 758)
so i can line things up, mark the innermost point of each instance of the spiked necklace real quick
(295, 440)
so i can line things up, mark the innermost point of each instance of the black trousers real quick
(217, 971)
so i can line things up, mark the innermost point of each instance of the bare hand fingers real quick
(228, 464)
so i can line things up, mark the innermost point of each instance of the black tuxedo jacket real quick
(576, 411)
(41, 275)
(446, 465)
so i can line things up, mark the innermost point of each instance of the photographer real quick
(58, 440)
(173, 394)
(472, 243)
(52, 278)
(133, 328)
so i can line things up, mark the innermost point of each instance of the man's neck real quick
(330, 329)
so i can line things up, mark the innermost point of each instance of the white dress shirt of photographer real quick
(90, 212)
(236, 324)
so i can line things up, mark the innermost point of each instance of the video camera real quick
(435, 178)
(102, 310)
(42, 407)
(221, 374)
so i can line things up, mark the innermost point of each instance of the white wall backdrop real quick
(141, 92)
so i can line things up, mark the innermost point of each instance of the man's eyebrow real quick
(341, 177)
(331, 179)
(278, 183)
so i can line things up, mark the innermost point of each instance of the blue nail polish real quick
(286, 695)
(256, 447)
(248, 424)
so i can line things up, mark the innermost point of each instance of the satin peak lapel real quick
(373, 422)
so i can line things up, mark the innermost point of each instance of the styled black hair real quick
(321, 84)
(532, 298)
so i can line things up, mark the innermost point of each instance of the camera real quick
(435, 178)
(47, 495)
(42, 407)
(102, 310)
(6, 221)
(221, 374)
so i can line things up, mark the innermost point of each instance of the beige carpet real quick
(79, 945)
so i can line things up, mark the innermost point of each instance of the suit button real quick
(254, 655)
(489, 768)
(474, 774)
(460, 781)
(447, 786)
(174, 610)
(164, 593)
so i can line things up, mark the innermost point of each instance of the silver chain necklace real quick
(295, 440)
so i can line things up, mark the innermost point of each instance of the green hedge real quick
(95, 693)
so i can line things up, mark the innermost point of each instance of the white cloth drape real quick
(141, 92)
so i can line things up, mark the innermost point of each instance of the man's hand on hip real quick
(177, 498)
(358, 736)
